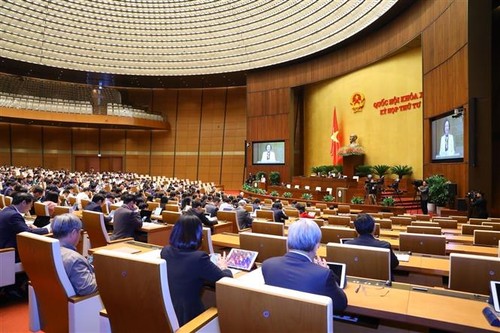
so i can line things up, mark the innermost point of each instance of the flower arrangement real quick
(287, 194)
(274, 193)
(351, 150)
(328, 198)
(307, 196)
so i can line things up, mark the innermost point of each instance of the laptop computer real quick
(495, 294)
(157, 211)
(344, 240)
(241, 259)
(145, 215)
(339, 272)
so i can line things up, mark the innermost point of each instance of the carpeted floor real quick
(13, 314)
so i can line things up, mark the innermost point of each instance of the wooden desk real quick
(133, 245)
(450, 237)
(158, 234)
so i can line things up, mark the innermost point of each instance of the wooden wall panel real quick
(57, 152)
(26, 145)
(5, 151)
(85, 141)
(113, 141)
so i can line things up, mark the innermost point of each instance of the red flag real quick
(335, 140)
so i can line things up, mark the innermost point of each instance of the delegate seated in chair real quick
(300, 269)
(54, 305)
(365, 227)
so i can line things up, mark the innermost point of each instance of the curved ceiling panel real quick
(177, 37)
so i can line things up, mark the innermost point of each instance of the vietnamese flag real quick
(335, 140)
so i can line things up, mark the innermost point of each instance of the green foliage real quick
(438, 190)
(357, 200)
(363, 170)
(388, 201)
(274, 178)
(250, 188)
(323, 170)
(287, 194)
(307, 196)
(328, 198)
(259, 174)
(380, 169)
(274, 193)
(401, 170)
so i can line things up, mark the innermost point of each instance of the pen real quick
(420, 289)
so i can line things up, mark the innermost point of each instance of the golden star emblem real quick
(334, 137)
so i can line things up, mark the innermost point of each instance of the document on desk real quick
(127, 249)
(154, 254)
(403, 256)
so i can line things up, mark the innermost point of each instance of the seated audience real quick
(96, 206)
(365, 227)
(12, 221)
(302, 211)
(301, 269)
(198, 211)
(279, 214)
(127, 220)
(188, 269)
(243, 216)
(67, 229)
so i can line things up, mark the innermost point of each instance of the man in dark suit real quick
(301, 269)
(12, 222)
(197, 210)
(127, 220)
(96, 206)
(365, 227)
(243, 216)
(279, 215)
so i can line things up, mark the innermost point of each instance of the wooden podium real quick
(350, 162)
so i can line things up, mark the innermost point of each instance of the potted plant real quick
(307, 196)
(287, 194)
(401, 170)
(357, 200)
(380, 169)
(274, 193)
(438, 191)
(274, 177)
(259, 175)
(315, 171)
(388, 201)
(328, 198)
(363, 170)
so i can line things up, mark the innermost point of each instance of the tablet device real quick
(157, 211)
(339, 272)
(241, 259)
(495, 293)
(344, 240)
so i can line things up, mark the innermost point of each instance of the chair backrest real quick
(494, 225)
(375, 215)
(249, 208)
(477, 221)
(7, 200)
(424, 224)
(170, 217)
(321, 206)
(267, 245)
(384, 223)
(85, 202)
(229, 216)
(339, 220)
(41, 209)
(265, 214)
(343, 209)
(114, 207)
(206, 243)
(468, 229)
(59, 210)
(269, 228)
(42, 262)
(131, 304)
(460, 219)
(292, 212)
(93, 224)
(421, 243)
(422, 217)
(494, 219)
(401, 220)
(447, 223)
(2, 202)
(334, 234)
(172, 207)
(319, 222)
(416, 229)
(473, 273)
(329, 211)
(152, 205)
(486, 237)
(270, 309)
(361, 261)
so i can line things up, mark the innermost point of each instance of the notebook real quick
(241, 259)
(339, 272)
(402, 255)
